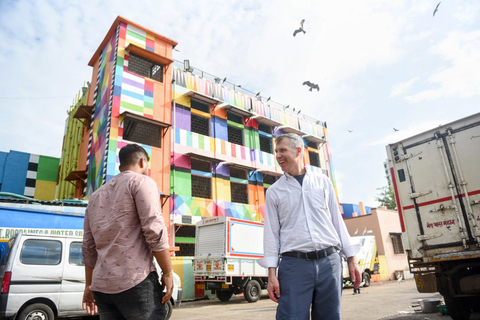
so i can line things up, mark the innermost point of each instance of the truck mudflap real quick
(443, 194)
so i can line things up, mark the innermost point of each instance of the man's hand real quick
(167, 282)
(273, 286)
(89, 301)
(354, 270)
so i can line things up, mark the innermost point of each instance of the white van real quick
(367, 260)
(43, 278)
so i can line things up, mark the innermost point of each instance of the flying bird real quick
(395, 130)
(350, 131)
(224, 79)
(268, 99)
(300, 29)
(312, 85)
(436, 9)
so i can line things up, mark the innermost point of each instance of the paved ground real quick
(388, 300)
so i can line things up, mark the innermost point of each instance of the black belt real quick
(312, 255)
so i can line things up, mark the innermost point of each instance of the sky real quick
(379, 65)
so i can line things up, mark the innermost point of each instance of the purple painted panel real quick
(183, 119)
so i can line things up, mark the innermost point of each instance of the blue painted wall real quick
(15, 172)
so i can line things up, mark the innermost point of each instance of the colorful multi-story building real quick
(211, 145)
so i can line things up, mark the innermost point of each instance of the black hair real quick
(131, 154)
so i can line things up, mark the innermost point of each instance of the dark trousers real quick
(142, 302)
(314, 285)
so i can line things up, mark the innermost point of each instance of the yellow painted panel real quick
(200, 113)
(45, 190)
(182, 99)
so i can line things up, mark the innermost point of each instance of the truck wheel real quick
(366, 279)
(458, 308)
(169, 309)
(36, 311)
(224, 295)
(253, 291)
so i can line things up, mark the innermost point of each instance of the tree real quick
(387, 197)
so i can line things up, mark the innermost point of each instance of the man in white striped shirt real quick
(304, 226)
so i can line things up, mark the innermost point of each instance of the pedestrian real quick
(123, 232)
(304, 226)
(356, 289)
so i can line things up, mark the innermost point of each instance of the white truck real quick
(366, 257)
(436, 179)
(226, 253)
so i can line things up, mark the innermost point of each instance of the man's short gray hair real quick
(295, 140)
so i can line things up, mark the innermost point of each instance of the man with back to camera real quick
(123, 231)
(303, 224)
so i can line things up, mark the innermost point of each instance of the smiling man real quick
(304, 227)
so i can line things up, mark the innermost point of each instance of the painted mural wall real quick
(216, 146)
(29, 175)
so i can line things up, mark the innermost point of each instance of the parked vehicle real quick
(436, 179)
(366, 257)
(226, 253)
(43, 278)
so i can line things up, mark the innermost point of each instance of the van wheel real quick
(36, 311)
(253, 291)
(169, 309)
(366, 279)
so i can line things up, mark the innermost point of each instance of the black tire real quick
(224, 296)
(36, 311)
(253, 291)
(458, 308)
(169, 307)
(366, 279)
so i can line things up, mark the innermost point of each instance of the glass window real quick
(75, 256)
(397, 243)
(41, 252)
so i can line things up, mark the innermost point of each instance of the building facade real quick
(29, 175)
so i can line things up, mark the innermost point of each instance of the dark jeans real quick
(142, 302)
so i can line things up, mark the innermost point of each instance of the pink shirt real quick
(123, 226)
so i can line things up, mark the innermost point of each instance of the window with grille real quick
(201, 187)
(235, 135)
(145, 67)
(186, 249)
(263, 127)
(314, 159)
(266, 144)
(200, 165)
(200, 125)
(239, 192)
(238, 173)
(200, 106)
(142, 132)
(235, 118)
(397, 243)
(312, 144)
(267, 179)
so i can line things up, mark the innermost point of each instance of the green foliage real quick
(387, 197)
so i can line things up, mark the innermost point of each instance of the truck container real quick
(436, 179)
(226, 253)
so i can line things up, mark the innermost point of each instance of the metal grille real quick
(266, 144)
(312, 144)
(142, 132)
(201, 187)
(200, 125)
(397, 243)
(263, 127)
(200, 165)
(235, 118)
(314, 159)
(235, 135)
(200, 106)
(186, 249)
(238, 173)
(267, 179)
(239, 192)
(145, 67)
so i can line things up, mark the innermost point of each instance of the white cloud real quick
(401, 88)
(458, 77)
